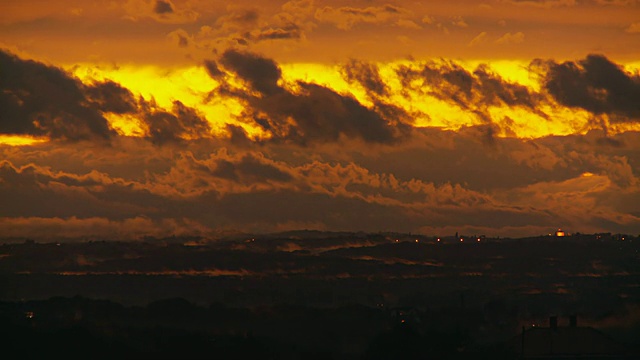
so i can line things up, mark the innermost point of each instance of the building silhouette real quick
(567, 342)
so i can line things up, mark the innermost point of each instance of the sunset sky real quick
(120, 119)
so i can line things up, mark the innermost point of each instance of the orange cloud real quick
(510, 38)
(634, 28)
(160, 10)
(346, 17)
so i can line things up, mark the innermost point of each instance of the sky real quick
(123, 119)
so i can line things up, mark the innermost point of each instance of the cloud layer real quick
(324, 158)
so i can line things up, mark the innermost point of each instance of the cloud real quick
(261, 73)
(325, 159)
(575, 201)
(365, 74)
(212, 69)
(346, 17)
(181, 37)
(109, 96)
(594, 84)
(408, 24)
(459, 22)
(163, 7)
(250, 169)
(163, 11)
(509, 38)
(42, 100)
(65, 194)
(432, 181)
(428, 19)
(617, 2)
(181, 123)
(238, 19)
(634, 28)
(290, 31)
(243, 26)
(496, 90)
(312, 113)
(100, 228)
(542, 3)
(161, 126)
(471, 91)
(479, 39)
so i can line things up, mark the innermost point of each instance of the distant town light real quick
(461, 239)
(419, 241)
(560, 233)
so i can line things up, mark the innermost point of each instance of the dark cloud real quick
(432, 181)
(163, 7)
(471, 91)
(239, 18)
(212, 69)
(260, 73)
(496, 91)
(323, 114)
(346, 17)
(181, 38)
(365, 74)
(313, 113)
(607, 141)
(37, 99)
(399, 115)
(250, 169)
(162, 126)
(290, 31)
(163, 11)
(64, 194)
(238, 136)
(181, 123)
(245, 27)
(451, 82)
(595, 84)
(109, 96)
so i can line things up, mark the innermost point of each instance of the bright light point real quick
(417, 240)
(587, 174)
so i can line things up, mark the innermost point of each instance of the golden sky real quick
(502, 117)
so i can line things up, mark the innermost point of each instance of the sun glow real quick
(194, 88)
(189, 85)
(126, 125)
(20, 140)
(325, 75)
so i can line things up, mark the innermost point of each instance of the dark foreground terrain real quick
(310, 295)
